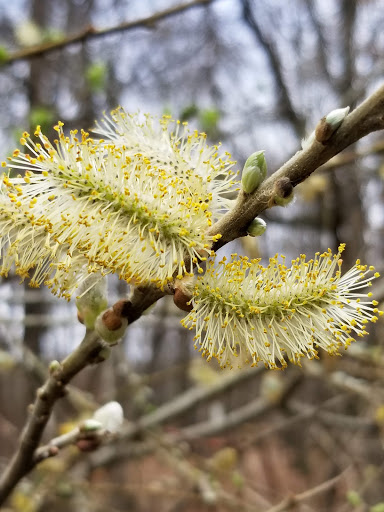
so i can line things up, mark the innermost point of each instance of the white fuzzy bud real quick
(254, 172)
(336, 117)
(329, 124)
(257, 227)
(111, 416)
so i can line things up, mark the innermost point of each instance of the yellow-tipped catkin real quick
(138, 205)
(276, 314)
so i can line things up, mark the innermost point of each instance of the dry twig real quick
(90, 32)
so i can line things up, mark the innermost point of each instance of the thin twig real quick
(46, 397)
(365, 119)
(254, 409)
(289, 502)
(54, 388)
(91, 32)
(188, 400)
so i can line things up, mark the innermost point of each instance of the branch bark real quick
(365, 119)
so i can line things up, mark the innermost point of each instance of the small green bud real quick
(257, 227)
(254, 172)
(54, 366)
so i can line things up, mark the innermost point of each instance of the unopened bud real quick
(54, 366)
(182, 301)
(110, 416)
(92, 300)
(111, 326)
(330, 123)
(257, 227)
(184, 293)
(336, 117)
(283, 192)
(254, 172)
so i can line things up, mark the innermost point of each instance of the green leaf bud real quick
(254, 172)
(257, 227)
(54, 366)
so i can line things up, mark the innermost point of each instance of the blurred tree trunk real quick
(38, 87)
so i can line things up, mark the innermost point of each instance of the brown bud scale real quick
(182, 300)
(111, 320)
(323, 131)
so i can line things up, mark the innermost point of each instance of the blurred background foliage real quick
(253, 74)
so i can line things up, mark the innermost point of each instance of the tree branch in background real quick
(288, 109)
(91, 32)
(291, 501)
